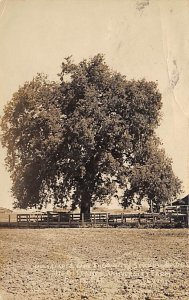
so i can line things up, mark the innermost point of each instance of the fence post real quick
(107, 223)
(170, 218)
(58, 219)
(139, 219)
(154, 221)
(122, 218)
(9, 220)
(94, 222)
(17, 216)
(70, 218)
(47, 220)
(82, 219)
(37, 220)
(152, 211)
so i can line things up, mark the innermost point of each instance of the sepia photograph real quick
(94, 149)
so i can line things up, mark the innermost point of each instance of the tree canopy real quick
(85, 138)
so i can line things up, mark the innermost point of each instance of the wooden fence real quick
(173, 216)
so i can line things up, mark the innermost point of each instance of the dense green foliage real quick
(86, 138)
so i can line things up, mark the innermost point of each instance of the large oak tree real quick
(85, 138)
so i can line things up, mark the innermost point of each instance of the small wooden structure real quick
(179, 210)
(182, 202)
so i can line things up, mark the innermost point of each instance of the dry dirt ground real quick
(92, 263)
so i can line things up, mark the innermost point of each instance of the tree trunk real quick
(85, 208)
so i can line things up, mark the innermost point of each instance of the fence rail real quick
(173, 216)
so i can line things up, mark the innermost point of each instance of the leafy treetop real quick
(85, 138)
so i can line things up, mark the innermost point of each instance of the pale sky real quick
(142, 38)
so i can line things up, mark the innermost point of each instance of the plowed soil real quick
(95, 264)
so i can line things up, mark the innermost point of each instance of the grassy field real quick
(94, 264)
